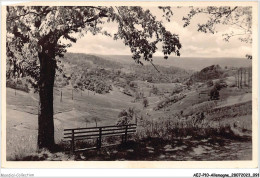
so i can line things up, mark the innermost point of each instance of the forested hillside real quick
(97, 74)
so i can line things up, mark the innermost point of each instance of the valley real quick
(170, 125)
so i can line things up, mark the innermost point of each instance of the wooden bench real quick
(76, 134)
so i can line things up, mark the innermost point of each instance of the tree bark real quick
(45, 116)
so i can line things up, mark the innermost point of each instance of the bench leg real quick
(123, 139)
(98, 143)
(72, 147)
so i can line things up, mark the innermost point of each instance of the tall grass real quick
(19, 147)
(174, 128)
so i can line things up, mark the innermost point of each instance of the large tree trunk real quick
(45, 116)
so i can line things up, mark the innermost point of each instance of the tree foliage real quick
(237, 17)
(33, 29)
(207, 74)
(248, 56)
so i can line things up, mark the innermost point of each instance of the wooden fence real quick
(97, 133)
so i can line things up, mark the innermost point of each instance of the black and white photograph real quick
(134, 82)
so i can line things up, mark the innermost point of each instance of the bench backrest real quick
(98, 132)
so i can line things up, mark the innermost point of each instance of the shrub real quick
(19, 82)
(177, 90)
(145, 102)
(127, 92)
(154, 90)
(169, 100)
(133, 84)
(125, 116)
(214, 94)
(139, 95)
(17, 85)
(220, 84)
(210, 83)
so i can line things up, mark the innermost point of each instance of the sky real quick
(194, 44)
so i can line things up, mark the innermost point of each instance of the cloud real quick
(99, 44)
(194, 44)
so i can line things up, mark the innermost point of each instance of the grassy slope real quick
(22, 110)
(81, 112)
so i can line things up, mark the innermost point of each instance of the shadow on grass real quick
(180, 143)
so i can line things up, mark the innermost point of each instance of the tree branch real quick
(154, 66)
(17, 17)
(100, 15)
(44, 12)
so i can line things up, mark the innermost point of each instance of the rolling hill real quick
(188, 63)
